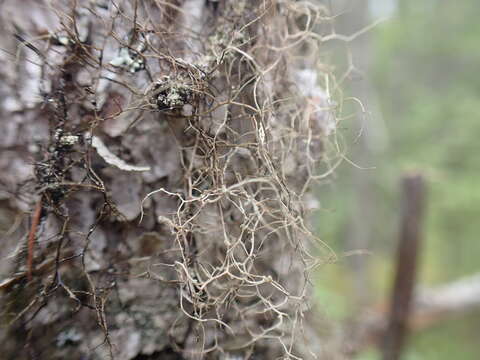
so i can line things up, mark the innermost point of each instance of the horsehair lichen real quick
(222, 214)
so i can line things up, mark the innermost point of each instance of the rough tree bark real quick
(155, 161)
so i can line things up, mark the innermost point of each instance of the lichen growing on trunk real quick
(169, 146)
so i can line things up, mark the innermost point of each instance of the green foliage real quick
(425, 64)
(425, 70)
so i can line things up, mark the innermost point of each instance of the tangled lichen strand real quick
(217, 267)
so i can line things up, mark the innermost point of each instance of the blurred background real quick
(417, 76)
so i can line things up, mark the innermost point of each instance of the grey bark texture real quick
(168, 148)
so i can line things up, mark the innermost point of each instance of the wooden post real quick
(413, 193)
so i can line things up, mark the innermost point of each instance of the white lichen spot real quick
(187, 110)
(69, 336)
(69, 140)
(125, 60)
(63, 40)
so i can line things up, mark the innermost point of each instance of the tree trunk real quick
(156, 158)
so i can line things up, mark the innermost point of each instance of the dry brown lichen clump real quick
(173, 143)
